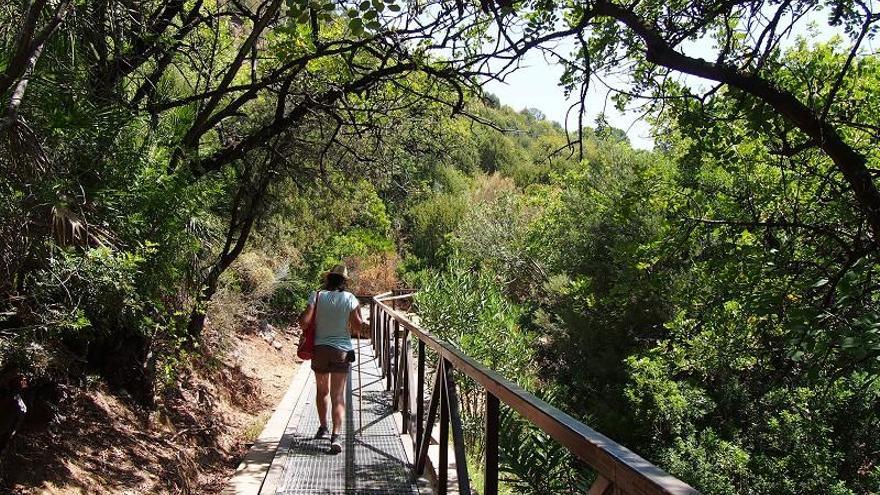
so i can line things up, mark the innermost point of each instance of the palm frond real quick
(25, 152)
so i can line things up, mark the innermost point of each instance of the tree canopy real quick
(175, 170)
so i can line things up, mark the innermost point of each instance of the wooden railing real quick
(619, 470)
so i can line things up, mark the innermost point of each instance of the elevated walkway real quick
(404, 418)
(373, 460)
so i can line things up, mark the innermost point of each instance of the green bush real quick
(466, 306)
(92, 317)
(431, 222)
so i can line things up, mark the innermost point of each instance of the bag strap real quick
(317, 298)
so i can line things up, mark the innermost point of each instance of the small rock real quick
(277, 345)
(268, 336)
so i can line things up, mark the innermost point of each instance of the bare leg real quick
(337, 396)
(322, 382)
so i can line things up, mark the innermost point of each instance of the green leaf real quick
(356, 25)
(394, 8)
(374, 25)
(365, 5)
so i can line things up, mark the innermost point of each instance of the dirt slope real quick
(192, 443)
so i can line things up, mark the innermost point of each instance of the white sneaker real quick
(322, 432)
(335, 444)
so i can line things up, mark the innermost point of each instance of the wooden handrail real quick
(618, 468)
(395, 298)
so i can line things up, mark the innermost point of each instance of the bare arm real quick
(355, 321)
(306, 317)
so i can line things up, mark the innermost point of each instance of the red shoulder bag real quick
(306, 349)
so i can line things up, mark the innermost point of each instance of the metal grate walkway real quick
(373, 460)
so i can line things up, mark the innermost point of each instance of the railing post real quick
(422, 456)
(601, 486)
(388, 329)
(443, 463)
(380, 318)
(405, 367)
(384, 339)
(395, 368)
(490, 473)
(461, 467)
(373, 324)
(420, 393)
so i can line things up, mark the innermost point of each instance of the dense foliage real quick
(712, 306)
(173, 170)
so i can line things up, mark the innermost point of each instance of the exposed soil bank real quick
(100, 443)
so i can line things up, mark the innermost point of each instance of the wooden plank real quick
(397, 297)
(493, 421)
(461, 467)
(601, 486)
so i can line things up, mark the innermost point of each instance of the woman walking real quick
(335, 311)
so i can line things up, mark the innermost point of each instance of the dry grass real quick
(374, 274)
(256, 271)
(252, 432)
(488, 188)
(241, 300)
(226, 314)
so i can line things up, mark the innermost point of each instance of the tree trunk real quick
(18, 91)
(246, 209)
(30, 43)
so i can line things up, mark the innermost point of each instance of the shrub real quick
(467, 307)
(494, 232)
(86, 314)
(431, 222)
(227, 313)
(256, 274)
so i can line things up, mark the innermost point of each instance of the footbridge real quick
(404, 432)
